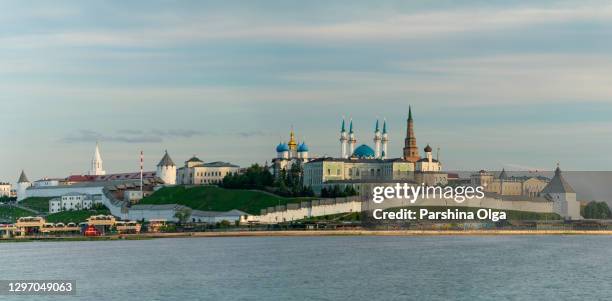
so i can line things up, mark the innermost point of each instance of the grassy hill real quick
(40, 204)
(11, 214)
(212, 198)
(77, 216)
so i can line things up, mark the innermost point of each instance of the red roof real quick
(110, 177)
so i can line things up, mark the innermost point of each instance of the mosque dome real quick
(364, 151)
(428, 149)
(302, 147)
(282, 147)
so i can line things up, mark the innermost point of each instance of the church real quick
(289, 153)
(360, 165)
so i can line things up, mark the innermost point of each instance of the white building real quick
(96, 163)
(5, 189)
(196, 172)
(166, 170)
(69, 202)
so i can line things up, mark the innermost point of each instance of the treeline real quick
(255, 177)
(596, 210)
(336, 192)
(289, 183)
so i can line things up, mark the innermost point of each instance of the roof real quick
(364, 151)
(217, 164)
(357, 160)
(282, 147)
(503, 175)
(23, 178)
(558, 184)
(303, 147)
(157, 207)
(427, 160)
(166, 160)
(194, 159)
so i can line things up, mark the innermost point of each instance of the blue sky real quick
(493, 84)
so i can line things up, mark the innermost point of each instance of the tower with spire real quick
(292, 144)
(22, 185)
(343, 141)
(385, 141)
(166, 170)
(377, 141)
(352, 142)
(411, 152)
(96, 163)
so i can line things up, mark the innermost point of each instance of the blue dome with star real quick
(364, 151)
(282, 147)
(302, 147)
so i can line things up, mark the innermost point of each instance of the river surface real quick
(321, 268)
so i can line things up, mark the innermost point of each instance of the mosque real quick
(363, 164)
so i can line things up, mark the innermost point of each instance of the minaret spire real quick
(352, 141)
(377, 141)
(343, 141)
(385, 141)
(411, 152)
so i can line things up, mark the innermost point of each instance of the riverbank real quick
(316, 233)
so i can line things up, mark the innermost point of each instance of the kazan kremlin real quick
(359, 166)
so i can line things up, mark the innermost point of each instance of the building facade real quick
(5, 189)
(509, 186)
(69, 202)
(196, 172)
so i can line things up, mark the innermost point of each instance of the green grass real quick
(212, 198)
(40, 204)
(11, 214)
(78, 216)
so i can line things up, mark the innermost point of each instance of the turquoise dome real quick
(364, 151)
(282, 147)
(302, 147)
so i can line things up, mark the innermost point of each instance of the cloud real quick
(131, 136)
(159, 30)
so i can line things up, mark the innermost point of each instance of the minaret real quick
(385, 141)
(411, 152)
(96, 163)
(377, 141)
(166, 170)
(343, 141)
(352, 141)
(22, 184)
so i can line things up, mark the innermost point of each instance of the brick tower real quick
(411, 151)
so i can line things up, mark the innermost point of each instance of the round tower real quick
(22, 185)
(166, 170)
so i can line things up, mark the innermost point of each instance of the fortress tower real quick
(22, 184)
(411, 152)
(166, 170)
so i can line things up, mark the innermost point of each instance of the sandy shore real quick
(315, 233)
(373, 233)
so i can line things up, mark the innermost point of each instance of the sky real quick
(493, 84)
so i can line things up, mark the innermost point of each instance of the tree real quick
(183, 215)
(597, 210)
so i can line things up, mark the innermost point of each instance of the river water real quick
(320, 268)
